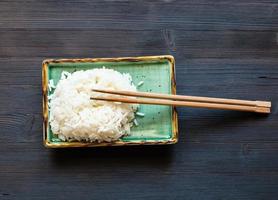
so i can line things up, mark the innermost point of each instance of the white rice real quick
(140, 83)
(140, 114)
(51, 85)
(74, 116)
(135, 122)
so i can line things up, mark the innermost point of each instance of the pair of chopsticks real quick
(183, 100)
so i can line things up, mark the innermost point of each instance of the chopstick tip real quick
(263, 104)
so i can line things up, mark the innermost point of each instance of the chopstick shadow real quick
(195, 122)
(113, 157)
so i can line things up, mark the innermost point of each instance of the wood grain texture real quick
(222, 49)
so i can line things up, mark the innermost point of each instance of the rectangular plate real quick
(160, 123)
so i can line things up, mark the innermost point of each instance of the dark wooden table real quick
(222, 49)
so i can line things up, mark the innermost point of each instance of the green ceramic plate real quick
(158, 126)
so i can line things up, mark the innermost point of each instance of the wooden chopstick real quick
(188, 98)
(258, 109)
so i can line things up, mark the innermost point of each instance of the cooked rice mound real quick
(74, 116)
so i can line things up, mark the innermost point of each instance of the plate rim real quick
(47, 143)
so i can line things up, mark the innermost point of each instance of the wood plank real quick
(212, 175)
(103, 43)
(140, 15)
